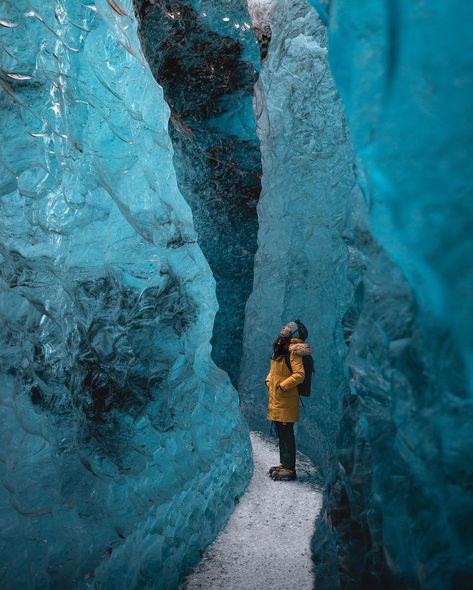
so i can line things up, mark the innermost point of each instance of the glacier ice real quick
(207, 66)
(389, 422)
(301, 266)
(322, 7)
(122, 446)
(120, 436)
(404, 73)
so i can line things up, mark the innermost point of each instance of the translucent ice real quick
(404, 73)
(122, 447)
(390, 416)
(206, 59)
(301, 266)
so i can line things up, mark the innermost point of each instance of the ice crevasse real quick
(308, 187)
(403, 70)
(206, 58)
(122, 446)
(369, 246)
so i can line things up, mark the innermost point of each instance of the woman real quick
(283, 396)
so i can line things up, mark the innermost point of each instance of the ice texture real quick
(301, 266)
(207, 67)
(322, 7)
(389, 422)
(122, 446)
(404, 72)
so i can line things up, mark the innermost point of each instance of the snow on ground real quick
(266, 543)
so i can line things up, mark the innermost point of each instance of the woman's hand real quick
(279, 389)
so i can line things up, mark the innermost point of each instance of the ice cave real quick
(179, 179)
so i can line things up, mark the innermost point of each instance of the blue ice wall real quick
(122, 446)
(404, 72)
(389, 420)
(323, 9)
(403, 491)
(206, 59)
(301, 266)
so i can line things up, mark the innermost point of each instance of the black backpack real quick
(309, 369)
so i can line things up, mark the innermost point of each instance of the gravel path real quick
(266, 543)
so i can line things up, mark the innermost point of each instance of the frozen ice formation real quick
(207, 65)
(404, 73)
(301, 266)
(122, 446)
(389, 421)
(322, 7)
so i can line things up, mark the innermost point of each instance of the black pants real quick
(287, 444)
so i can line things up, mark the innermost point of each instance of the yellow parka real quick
(283, 398)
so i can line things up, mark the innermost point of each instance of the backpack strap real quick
(287, 358)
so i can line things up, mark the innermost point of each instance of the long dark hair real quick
(280, 346)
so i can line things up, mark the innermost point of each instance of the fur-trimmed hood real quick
(301, 348)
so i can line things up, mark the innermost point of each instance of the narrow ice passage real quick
(266, 543)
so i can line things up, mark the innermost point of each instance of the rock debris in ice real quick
(266, 543)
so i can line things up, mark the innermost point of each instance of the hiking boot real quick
(283, 474)
(274, 468)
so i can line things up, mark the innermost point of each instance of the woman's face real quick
(286, 331)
